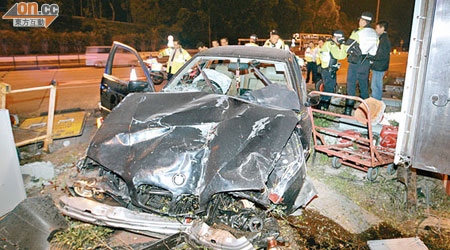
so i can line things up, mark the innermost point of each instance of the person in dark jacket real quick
(381, 60)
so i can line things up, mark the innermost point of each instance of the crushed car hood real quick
(192, 142)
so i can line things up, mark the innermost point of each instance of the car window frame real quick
(110, 60)
(290, 81)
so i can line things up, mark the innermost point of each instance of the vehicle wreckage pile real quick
(192, 159)
(172, 187)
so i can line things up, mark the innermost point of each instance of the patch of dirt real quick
(386, 198)
(315, 231)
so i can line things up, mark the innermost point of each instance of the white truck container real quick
(424, 131)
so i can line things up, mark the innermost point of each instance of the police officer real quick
(253, 40)
(331, 51)
(361, 47)
(275, 41)
(310, 58)
(177, 57)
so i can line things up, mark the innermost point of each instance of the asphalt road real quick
(79, 87)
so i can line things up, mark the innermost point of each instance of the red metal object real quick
(275, 198)
(345, 139)
(388, 130)
(389, 141)
(447, 184)
(389, 136)
(354, 149)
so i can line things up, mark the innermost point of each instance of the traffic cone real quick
(133, 76)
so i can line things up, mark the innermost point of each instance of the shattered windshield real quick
(230, 76)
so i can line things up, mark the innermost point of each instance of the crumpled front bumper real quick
(114, 216)
(157, 226)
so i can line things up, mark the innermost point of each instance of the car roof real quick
(248, 52)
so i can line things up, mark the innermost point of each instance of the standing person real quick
(170, 48)
(224, 41)
(320, 43)
(215, 43)
(176, 59)
(253, 41)
(331, 51)
(381, 60)
(361, 46)
(275, 41)
(310, 58)
(318, 62)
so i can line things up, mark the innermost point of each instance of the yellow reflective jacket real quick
(311, 54)
(177, 58)
(367, 39)
(279, 45)
(331, 50)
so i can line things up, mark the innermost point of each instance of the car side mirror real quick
(137, 86)
(313, 100)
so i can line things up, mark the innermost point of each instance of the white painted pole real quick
(50, 116)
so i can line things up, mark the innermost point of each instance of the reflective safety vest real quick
(310, 54)
(318, 62)
(251, 44)
(330, 53)
(279, 45)
(367, 39)
(166, 52)
(177, 58)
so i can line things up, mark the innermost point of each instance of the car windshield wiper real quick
(265, 80)
(214, 88)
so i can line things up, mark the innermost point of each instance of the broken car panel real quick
(225, 141)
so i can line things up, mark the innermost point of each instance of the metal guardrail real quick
(39, 61)
(48, 138)
(44, 61)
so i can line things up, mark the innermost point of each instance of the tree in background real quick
(147, 23)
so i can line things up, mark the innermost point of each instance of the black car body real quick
(226, 139)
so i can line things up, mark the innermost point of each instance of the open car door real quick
(125, 72)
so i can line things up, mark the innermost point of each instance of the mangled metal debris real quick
(225, 142)
(183, 156)
(120, 217)
(150, 224)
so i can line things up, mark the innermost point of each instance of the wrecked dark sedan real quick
(225, 141)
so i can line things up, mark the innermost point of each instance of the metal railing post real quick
(4, 88)
(50, 116)
(48, 137)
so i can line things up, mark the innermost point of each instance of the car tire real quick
(336, 163)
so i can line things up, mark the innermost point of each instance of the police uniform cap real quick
(338, 33)
(368, 16)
